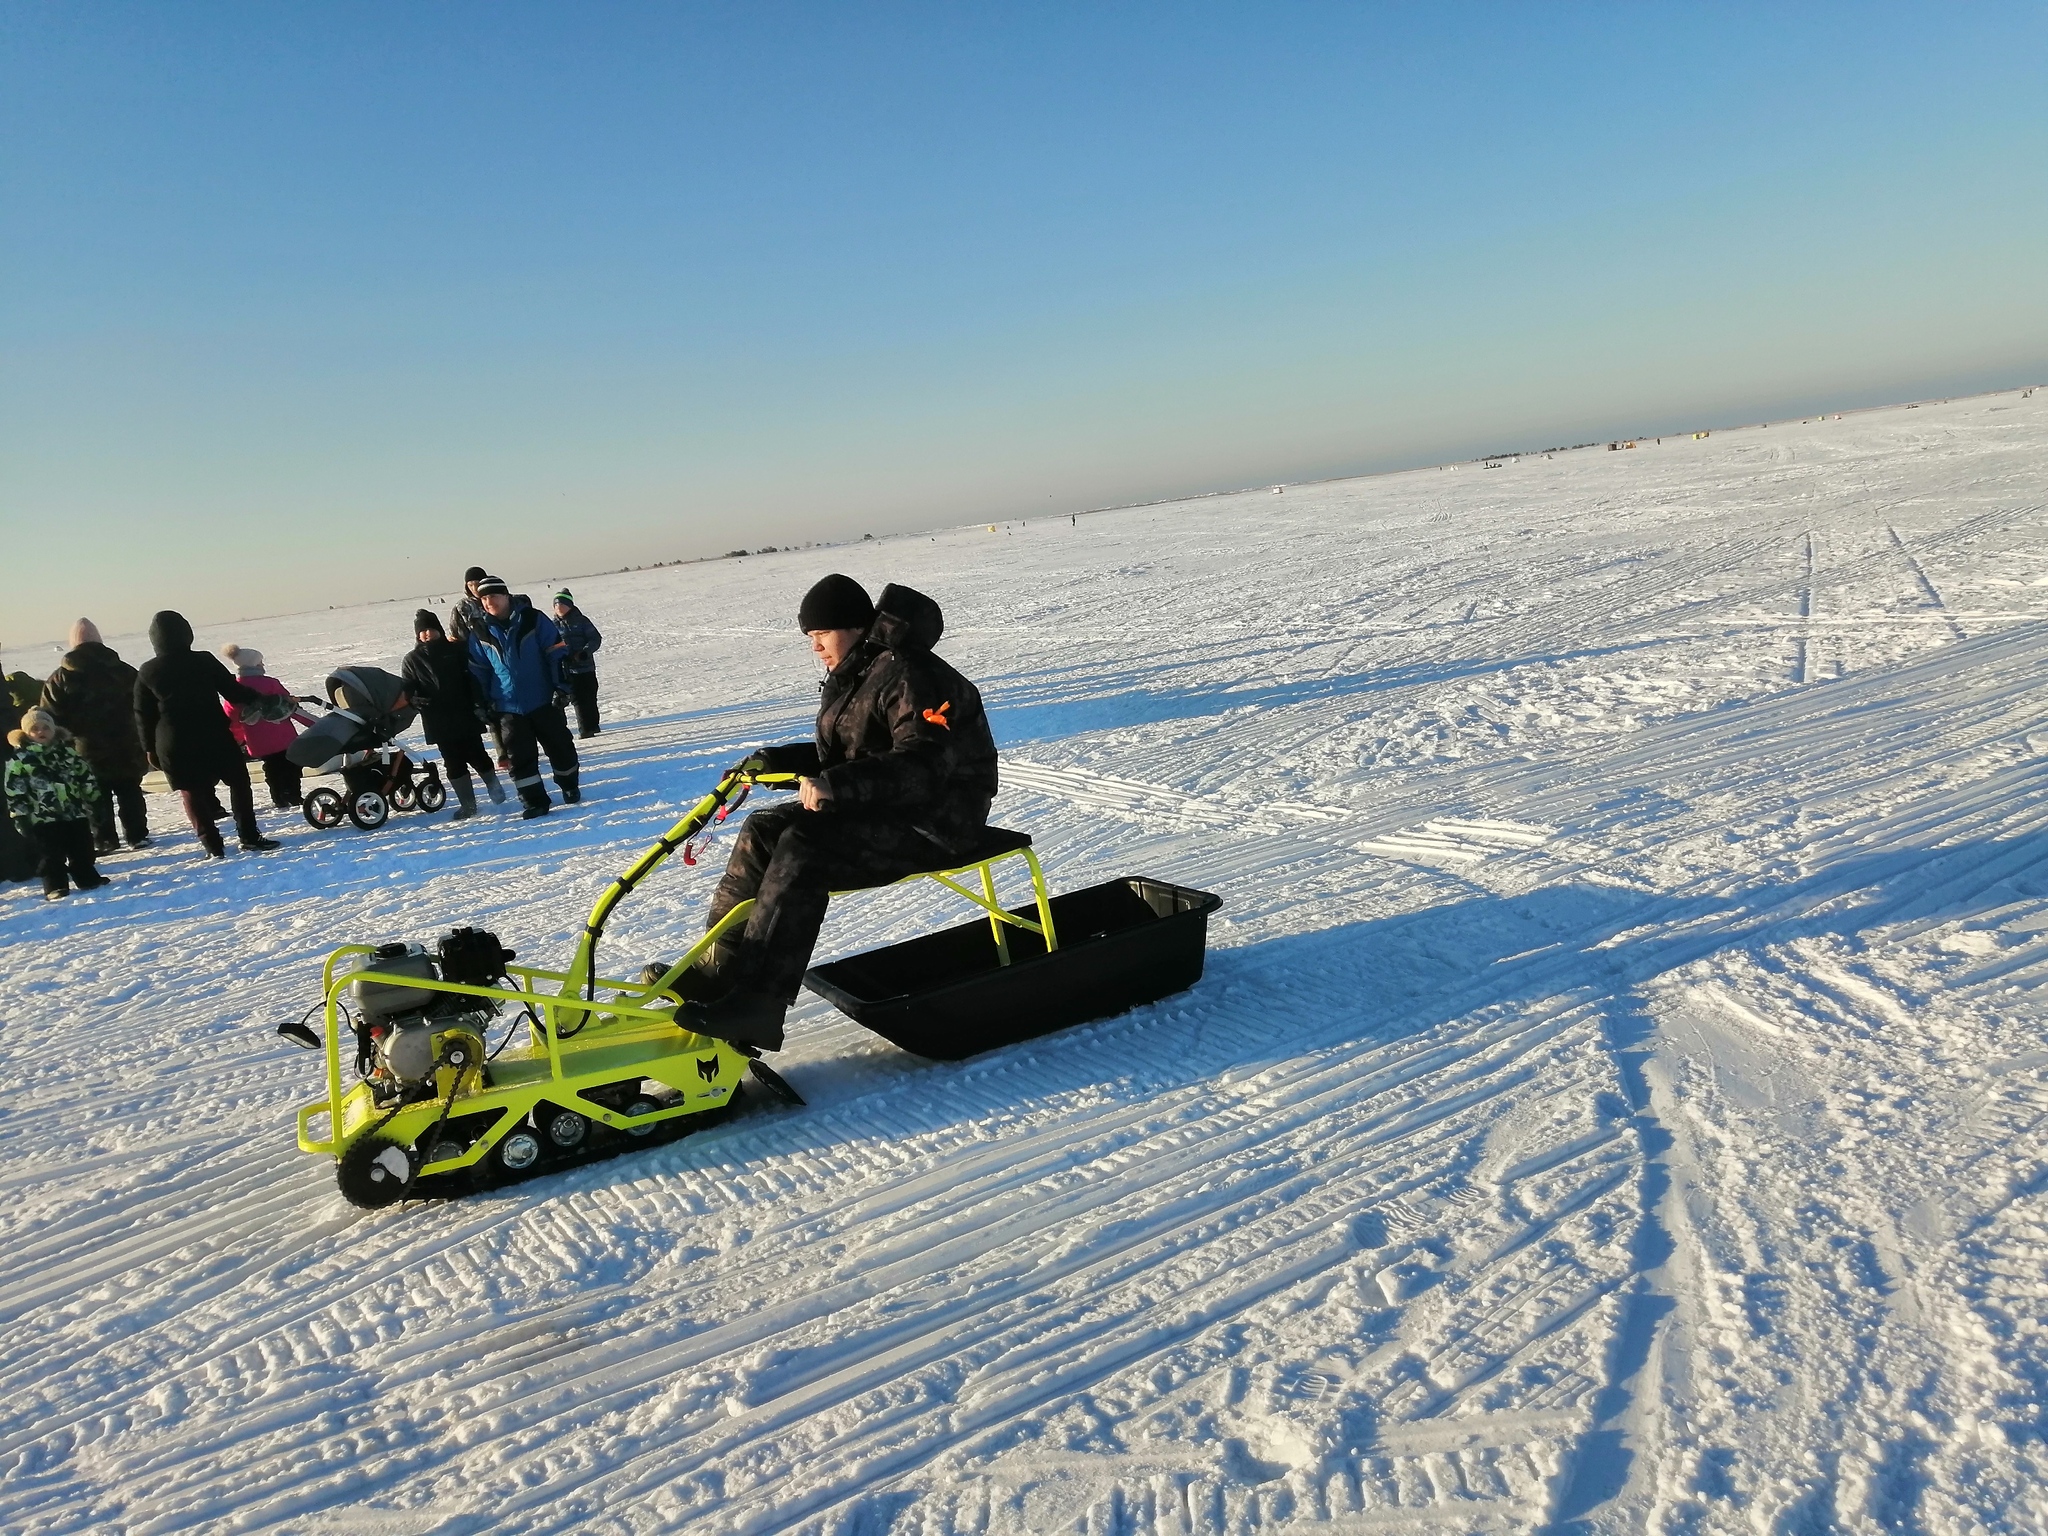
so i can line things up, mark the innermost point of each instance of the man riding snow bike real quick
(898, 781)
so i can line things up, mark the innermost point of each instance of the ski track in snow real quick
(1617, 1100)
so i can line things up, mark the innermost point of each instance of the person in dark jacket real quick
(580, 640)
(436, 673)
(17, 854)
(50, 793)
(178, 713)
(898, 781)
(464, 619)
(92, 695)
(23, 692)
(467, 614)
(516, 660)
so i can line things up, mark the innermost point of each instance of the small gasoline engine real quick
(408, 1037)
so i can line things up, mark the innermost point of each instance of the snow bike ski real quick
(577, 1075)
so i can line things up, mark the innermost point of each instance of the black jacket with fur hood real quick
(901, 732)
(93, 696)
(177, 707)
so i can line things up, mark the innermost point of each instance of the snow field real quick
(1615, 1102)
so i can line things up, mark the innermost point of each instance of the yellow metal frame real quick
(632, 1033)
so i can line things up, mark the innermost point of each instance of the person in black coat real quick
(580, 640)
(17, 857)
(898, 781)
(92, 694)
(436, 673)
(178, 713)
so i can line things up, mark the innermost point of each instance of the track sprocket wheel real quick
(374, 1173)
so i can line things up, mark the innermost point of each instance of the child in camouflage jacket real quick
(50, 792)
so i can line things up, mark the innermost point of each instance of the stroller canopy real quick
(367, 713)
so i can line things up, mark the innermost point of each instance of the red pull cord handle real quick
(703, 838)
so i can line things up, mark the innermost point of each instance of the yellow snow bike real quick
(602, 1065)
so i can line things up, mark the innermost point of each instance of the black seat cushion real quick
(996, 841)
(993, 843)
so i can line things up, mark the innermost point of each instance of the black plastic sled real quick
(948, 995)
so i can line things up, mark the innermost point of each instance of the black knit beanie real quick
(837, 602)
(426, 618)
(474, 573)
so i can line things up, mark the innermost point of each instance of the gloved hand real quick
(561, 700)
(798, 757)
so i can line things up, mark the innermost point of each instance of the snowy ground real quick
(1616, 1101)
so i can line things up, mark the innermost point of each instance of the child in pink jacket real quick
(266, 740)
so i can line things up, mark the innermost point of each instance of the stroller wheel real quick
(323, 808)
(368, 809)
(401, 795)
(431, 795)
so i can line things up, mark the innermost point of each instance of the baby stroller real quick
(368, 707)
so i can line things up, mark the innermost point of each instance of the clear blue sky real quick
(306, 304)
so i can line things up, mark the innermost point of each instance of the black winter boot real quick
(744, 1016)
(465, 800)
(699, 984)
(247, 832)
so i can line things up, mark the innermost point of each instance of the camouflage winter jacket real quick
(48, 781)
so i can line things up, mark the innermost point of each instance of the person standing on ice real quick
(50, 793)
(516, 660)
(436, 673)
(464, 619)
(468, 613)
(23, 691)
(178, 714)
(92, 695)
(580, 639)
(898, 780)
(266, 740)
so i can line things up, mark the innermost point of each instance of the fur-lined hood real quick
(19, 739)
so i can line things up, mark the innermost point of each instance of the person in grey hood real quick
(178, 714)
